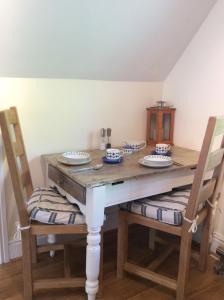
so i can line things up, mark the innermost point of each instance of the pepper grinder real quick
(108, 138)
(102, 142)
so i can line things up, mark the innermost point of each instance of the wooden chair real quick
(204, 193)
(23, 189)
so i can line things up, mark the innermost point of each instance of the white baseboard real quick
(217, 241)
(15, 249)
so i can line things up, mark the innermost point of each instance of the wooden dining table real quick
(113, 184)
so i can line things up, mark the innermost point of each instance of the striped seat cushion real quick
(47, 205)
(167, 208)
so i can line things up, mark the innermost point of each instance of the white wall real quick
(195, 86)
(58, 115)
(103, 40)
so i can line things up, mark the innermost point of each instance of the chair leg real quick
(51, 239)
(67, 266)
(27, 265)
(34, 248)
(122, 247)
(184, 262)
(205, 244)
(152, 238)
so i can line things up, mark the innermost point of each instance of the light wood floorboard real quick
(202, 286)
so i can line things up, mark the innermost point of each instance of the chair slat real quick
(162, 257)
(207, 191)
(153, 276)
(58, 283)
(18, 149)
(152, 223)
(214, 159)
(39, 228)
(11, 117)
(219, 129)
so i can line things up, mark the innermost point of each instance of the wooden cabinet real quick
(160, 125)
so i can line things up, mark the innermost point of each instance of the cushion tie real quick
(194, 225)
(17, 234)
(214, 206)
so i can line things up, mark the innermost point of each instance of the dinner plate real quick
(76, 155)
(151, 164)
(157, 159)
(72, 162)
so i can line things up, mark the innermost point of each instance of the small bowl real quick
(134, 145)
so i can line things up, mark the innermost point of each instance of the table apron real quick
(129, 190)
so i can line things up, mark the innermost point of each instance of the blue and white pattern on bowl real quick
(114, 154)
(134, 145)
(168, 153)
(162, 148)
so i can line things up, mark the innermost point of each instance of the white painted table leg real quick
(94, 220)
(93, 262)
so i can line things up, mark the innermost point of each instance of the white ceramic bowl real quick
(114, 154)
(162, 148)
(134, 145)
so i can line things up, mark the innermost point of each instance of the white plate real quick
(76, 155)
(154, 164)
(159, 159)
(74, 158)
(72, 162)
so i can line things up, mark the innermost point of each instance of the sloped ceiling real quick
(136, 40)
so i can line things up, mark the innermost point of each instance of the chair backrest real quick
(17, 161)
(209, 160)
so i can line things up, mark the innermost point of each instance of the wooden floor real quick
(202, 286)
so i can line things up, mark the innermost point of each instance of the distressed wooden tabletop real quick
(128, 169)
